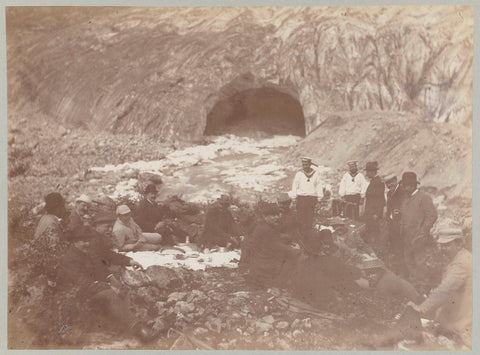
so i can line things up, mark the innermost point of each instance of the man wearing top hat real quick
(374, 202)
(353, 187)
(418, 214)
(307, 190)
(450, 303)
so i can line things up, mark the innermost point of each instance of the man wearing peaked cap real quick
(307, 190)
(418, 214)
(353, 187)
(450, 303)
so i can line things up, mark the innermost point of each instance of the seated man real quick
(103, 225)
(128, 236)
(319, 276)
(152, 217)
(288, 220)
(264, 253)
(80, 267)
(451, 302)
(376, 276)
(220, 227)
(78, 220)
(49, 242)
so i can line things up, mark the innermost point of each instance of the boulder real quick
(176, 296)
(134, 278)
(184, 307)
(262, 327)
(196, 296)
(155, 178)
(281, 325)
(200, 331)
(163, 277)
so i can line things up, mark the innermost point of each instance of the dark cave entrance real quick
(256, 110)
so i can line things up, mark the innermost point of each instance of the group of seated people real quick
(274, 252)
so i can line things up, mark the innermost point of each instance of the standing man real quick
(374, 202)
(418, 214)
(353, 187)
(395, 197)
(307, 190)
(450, 303)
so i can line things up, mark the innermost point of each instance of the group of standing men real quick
(409, 215)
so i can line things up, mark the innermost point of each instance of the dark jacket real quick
(375, 198)
(88, 270)
(394, 202)
(76, 227)
(219, 226)
(265, 254)
(317, 279)
(148, 214)
(418, 214)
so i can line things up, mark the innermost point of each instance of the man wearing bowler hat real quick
(374, 202)
(418, 214)
(307, 190)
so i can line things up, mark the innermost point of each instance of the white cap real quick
(449, 234)
(123, 209)
(84, 198)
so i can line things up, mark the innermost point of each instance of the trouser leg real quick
(305, 212)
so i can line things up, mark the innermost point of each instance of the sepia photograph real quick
(239, 177)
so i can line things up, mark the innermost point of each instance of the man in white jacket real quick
(307, 190)
(353, 187)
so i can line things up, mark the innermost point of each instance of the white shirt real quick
(353, 185)
(303, 186)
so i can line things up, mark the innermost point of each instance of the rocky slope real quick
(162, 70)
(440, 154)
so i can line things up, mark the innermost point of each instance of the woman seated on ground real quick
(128, 236)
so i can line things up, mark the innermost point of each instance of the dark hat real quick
(151, 188)
(269, 209)
(371, 165)
(409, 177)
(53, 200)
(390, 177)
(104, 218)
(224, 198)
(283, 197)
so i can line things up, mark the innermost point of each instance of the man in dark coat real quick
(148, 213)
(155, 218)
(220, 227)
(374, 202)
(85, 267)
(395, 198)
(418, 214)
(264, 253)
